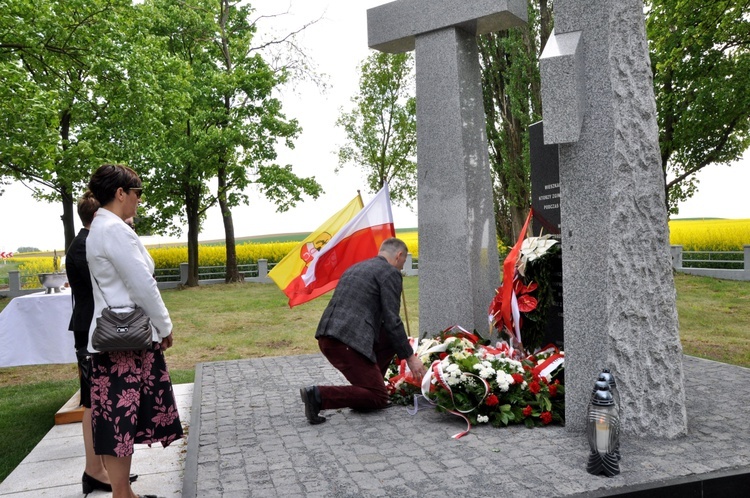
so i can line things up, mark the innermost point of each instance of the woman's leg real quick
(94, 464)
(119, 474)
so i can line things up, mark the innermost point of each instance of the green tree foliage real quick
(512, 101)
(701, 81)
(224, 125)
(54, 57)
(381, 129)
(252, 125)
(173, 88)
(701, 61)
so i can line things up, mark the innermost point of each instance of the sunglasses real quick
(138, 191)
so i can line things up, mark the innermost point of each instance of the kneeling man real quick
(360, 332)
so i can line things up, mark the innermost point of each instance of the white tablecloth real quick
(34, 330)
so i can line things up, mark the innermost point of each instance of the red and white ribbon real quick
(436, 371)
(545, 368)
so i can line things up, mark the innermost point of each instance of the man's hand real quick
(417, 368)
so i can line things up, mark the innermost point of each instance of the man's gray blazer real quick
(366, 299)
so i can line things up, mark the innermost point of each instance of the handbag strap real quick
(105, 299)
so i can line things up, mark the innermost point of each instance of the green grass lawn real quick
(225, 322)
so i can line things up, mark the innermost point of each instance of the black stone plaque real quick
(545, 182)
(545, 201)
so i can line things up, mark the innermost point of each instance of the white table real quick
(34, 330)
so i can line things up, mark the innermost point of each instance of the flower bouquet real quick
(483, 384)
(520, 307)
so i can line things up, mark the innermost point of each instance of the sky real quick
(337, 43)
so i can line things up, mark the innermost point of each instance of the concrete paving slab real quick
(54, 466)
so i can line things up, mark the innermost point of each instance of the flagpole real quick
(406, 313)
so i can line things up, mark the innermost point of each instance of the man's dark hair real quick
(87, 206)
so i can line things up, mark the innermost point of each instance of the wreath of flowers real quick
(483, 384)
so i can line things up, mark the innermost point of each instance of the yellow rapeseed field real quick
(692, 235)
(710, 234)
(171, 257)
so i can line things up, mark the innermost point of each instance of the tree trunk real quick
(233, 273)
(546, 22)
(192, 203)
(66, 190)
(67, 217)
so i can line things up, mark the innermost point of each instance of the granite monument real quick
(618, 288)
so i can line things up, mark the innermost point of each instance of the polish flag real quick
(357, 241)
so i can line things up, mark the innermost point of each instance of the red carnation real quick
(546, 417)
(553, 390)
(534, 387)
(491, 400)
(517, 378)
(443, 355)
(527, 411)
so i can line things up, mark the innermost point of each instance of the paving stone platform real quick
(249, 437)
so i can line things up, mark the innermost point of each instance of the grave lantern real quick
(607, 377)
(603, 432)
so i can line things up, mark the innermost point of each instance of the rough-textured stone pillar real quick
(620, 312)
(458, 260)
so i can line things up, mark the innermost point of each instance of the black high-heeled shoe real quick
(89, 484)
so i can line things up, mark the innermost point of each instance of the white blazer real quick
(122, 273)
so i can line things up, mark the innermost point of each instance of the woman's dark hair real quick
(87, 206)
(108, 178)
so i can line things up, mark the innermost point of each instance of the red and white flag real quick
(357, 241)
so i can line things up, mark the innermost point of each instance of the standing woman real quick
(131, 393)
(94, 474)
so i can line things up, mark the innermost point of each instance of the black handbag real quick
(121, 331)
(126, 331)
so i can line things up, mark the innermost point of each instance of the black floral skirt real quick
(132, 401)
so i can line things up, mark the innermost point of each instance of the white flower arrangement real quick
(533, 248)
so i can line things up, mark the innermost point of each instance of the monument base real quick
(249, 429)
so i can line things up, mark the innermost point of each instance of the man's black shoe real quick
(311, 398)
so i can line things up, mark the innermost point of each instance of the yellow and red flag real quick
(350, 236)
(288, 272)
